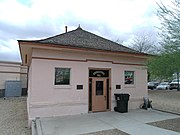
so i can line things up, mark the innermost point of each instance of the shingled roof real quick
(84, 39)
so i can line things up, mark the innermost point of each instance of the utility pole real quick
(178, 81)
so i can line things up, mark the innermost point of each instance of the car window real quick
(175, 80)
(164, 83)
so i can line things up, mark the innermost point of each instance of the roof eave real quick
(35, 43)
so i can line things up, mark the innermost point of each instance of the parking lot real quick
(13, 116)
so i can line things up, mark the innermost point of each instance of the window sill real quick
(62, 86)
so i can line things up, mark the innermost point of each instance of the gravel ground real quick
(171, 124)
(169, 101)
(13, 116)
(166, 100)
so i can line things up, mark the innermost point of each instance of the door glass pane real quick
(99, 87)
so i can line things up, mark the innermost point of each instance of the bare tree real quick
(119, 41)
(145, 42)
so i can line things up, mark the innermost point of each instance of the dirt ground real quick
(166, 100)
(170, 124)
(13, 116)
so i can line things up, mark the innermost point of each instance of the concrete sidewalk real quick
(132, 123)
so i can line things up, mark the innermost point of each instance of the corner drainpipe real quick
(36, 127)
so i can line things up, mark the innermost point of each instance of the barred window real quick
(62, 76)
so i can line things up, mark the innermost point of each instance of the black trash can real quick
(122, 102)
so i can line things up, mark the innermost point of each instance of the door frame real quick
(108, 97)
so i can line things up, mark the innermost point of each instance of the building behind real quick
(12, 71)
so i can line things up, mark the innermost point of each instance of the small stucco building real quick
(78, 72)
(12, 71)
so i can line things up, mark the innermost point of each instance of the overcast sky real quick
(37, 19)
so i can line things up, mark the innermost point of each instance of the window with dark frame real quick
(62, 76)
(129, 77)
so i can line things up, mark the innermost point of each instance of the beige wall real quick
(12, 71)
(23, 76)
(46, 100)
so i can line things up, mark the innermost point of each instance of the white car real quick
(163, 86)
(174, 84)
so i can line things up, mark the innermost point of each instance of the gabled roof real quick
(83, 39)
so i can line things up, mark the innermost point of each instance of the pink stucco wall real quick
(47, 100)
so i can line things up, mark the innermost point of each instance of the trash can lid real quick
(121, 96)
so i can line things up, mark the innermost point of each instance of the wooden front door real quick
(99, 96)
